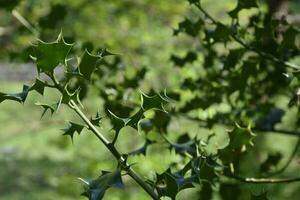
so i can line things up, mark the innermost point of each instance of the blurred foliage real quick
(234, 82)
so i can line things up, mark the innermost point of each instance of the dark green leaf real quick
(57, 13)
(190, 57)
(47, 107)
(95, 189)
(49, 55)
(189, 27)
(243, 4)
(73, 127)
(9, 4)
(240, 137)
(38, 86)
(88, 64)
(19, 97)
(156, 101)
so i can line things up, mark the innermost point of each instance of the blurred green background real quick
(36, 162)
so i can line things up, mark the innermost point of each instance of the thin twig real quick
(285, 166)
(265, 180)
(24, 22)
(122, 161)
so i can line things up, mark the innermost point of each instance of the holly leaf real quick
(190, 57)
(87, 64)
(73, 127)
(49, 55)
(221, 33)
(154, 102)
(96, 120)
(166, 184)
(38, 86)
(240, 137)
(189, 27)
(19, 97)
(57, 13)
(243, 4)
(52, 108)
(95, 189)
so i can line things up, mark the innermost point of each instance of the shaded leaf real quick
(87, 64)
(19, 97)
(190, 57)
(189, 27)
(95, 189)
(262, 196)
(52, 108)
(57, 13)
(243, 4)
(73, 127)
(38, 86)
(156, 101)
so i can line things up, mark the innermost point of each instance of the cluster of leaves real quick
(242, 76)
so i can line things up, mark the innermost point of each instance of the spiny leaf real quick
(189, 27)
(166, 184)
(95, 189)
(96, 120)
(156, 101)
(190, 57)
(87, 64)
(19, 97)
(240, 137)
(243, 4)
(38, 86)
(117, 122)
(73, 127)
(49, 55)
(47, 107)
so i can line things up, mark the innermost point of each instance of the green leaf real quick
(240, 137)
(52, 108)
(156, 101)
(49, 55)
(117, 122)
(221, 33)
(96, 120)
(87, 64)
(190, 57)
(38, 86)
(19, 97)
(166, 184)
(73, 127)
(57, 13)
(189, 27)
(243, 4)
(9, 4)
(95, 189)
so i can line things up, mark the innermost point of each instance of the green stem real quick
(265, 180)
(122, 161)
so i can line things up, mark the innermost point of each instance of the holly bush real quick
(237, 81)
